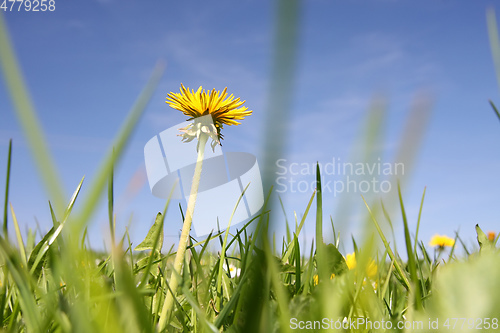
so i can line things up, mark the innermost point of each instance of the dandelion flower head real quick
(371, 269)
(441, 241)
(223, 109)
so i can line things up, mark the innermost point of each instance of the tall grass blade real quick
(209, 327)
(119, 144)
(418, 221)
(53, 236)
(282, 79)
(494, 42)
(299, 228)
(495, 109)
(26, 114)
(411, 258)
(154, 243)
(111, 205)
(7, 181)
(320, 245)
(406, 282)
(19, 237)
(26, 299)
(278, 288)
(223, 250)
(309, 271)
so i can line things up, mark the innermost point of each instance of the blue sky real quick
(86, 62)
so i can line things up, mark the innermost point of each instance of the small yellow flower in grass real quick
(350, 260)
(371, 270)
(441, 241)
(316, 278)
(224, 109)
(491, 236)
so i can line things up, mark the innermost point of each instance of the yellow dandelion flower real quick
(350, 260)
(491, 236)
(224, 109)
(371, 270)
(441, 241)
(316, 278)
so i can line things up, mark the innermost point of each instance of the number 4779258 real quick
(28, 5)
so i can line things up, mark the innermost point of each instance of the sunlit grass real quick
(255, 283)
(58, 285)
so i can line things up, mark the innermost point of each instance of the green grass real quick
(59, 284)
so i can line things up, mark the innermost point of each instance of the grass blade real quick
(223, 251)
(111, 206)
(495, 109)
(322, 269)
(388, 249)
(26, 114)
(418, 221)
(494, 42)
(7, 181)
(411, 258)
(19, 236)
(56, 232)
(299, 228)
(119, 144)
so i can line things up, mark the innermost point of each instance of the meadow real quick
(256, 283)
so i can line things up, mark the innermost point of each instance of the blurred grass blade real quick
(482, 239)
(111, 205)
(53, 236)
(152, 242)
(19, 236)
(7, 181)
(495, 109)
(335, 260)
(413, 133)
(279, 289)
(418, 221)
(288, 234)
(231, 304)
(494, 41)
(135, 313)
(309, 271)
(278, 118)
(26, 115)
(299, 228)
(26, 299)
(209, 327)
(320, 245)
(223, 250)
(119, 144)
(282, 80)
(411, 258)
(388, 249)
(154, 236)
(297, 263)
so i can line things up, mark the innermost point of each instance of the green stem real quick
(181, 249)
(5, 228)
